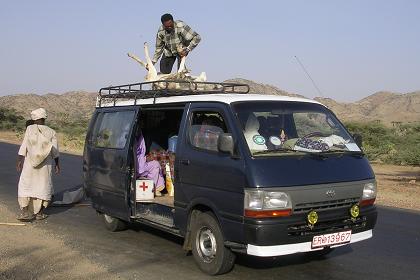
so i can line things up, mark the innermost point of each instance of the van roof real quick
(180, 91)
(223, 98)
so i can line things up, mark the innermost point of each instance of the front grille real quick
(333, 225)
(325, 205)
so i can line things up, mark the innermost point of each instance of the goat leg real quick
(137, 59)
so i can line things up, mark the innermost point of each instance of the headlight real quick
(369, 194)
(276, 200)
(369, 191)
(262, 204)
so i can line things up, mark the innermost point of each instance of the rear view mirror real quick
(225, 143)
(358, 139)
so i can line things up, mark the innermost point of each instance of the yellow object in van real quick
(168, 180)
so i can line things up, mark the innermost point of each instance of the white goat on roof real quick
(153, 75)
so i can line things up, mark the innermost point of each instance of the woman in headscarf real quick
(38, 149)
(148, 169)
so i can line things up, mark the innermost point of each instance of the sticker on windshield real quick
(275, 140)
(258, 139)
(352, 147)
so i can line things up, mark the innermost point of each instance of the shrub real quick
(396, 145)
(10, 120)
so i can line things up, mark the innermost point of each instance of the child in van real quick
(148, 169)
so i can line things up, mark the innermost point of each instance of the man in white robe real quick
(39, 148)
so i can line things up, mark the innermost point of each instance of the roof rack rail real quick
(165, 88)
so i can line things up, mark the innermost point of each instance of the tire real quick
(320, 253)
(113, 224)
(208, 248)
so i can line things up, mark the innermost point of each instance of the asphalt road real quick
(144, 253)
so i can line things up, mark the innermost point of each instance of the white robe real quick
(39, 147)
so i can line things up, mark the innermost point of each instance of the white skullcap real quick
(39, 113)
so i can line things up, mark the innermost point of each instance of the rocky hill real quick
(67, 106)
(386, 107)
(383, 106)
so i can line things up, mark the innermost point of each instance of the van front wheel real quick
(208, 248)
(113, 224)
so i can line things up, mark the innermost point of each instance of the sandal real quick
(41, 216)
(25, 217)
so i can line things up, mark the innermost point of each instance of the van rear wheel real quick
(113, 224)
(208, 248)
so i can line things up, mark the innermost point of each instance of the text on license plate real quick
(331, 239)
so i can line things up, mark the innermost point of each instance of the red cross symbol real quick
(144, 186)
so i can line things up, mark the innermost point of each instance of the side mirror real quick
(225, 143)
(358, 139)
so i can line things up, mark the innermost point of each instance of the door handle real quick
(185, 161)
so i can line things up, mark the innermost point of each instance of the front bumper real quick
(287, 249)
(288, 235)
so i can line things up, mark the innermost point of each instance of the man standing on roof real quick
(175, 39)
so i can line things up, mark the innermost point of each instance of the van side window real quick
(114, 129)
(205, 129)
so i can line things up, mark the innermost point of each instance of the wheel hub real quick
(109, 219)
(206, 244)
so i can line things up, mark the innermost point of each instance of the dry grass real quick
(67, 144)
(10, 137)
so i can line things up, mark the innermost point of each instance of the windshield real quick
(276, 127)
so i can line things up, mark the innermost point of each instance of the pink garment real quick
(148, 169)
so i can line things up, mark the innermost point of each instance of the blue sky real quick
(351, 48)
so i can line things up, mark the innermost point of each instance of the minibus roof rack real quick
(166, 88)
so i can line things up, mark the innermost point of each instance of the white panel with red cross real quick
(144, 190)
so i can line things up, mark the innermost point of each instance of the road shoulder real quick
(29, 252)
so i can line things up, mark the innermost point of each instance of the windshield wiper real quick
(287, 150)
(315, 154)
(352, 153)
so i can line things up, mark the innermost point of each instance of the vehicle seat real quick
(255, 140)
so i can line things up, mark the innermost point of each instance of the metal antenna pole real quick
(309, 76)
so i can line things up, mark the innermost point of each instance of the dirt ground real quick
(398, 186)
(29, 252)
(9, 137)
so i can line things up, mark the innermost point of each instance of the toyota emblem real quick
(330, 193)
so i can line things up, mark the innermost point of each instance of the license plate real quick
(331, 239)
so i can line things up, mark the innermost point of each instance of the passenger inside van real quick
(148, 169)
(255, 140)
